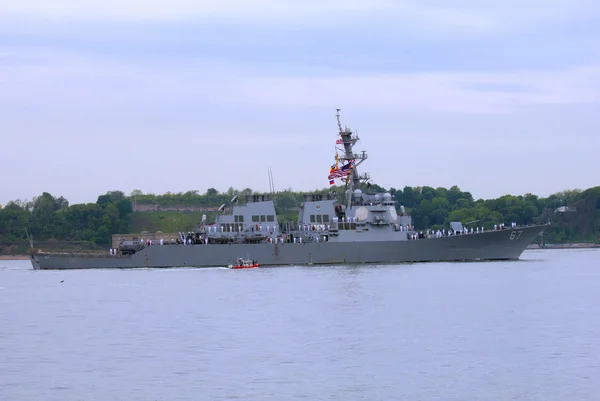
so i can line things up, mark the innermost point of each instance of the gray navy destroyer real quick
(352, 227)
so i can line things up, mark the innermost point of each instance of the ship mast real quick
(348, 141)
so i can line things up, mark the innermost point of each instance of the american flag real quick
(343, 171)
(339, 174)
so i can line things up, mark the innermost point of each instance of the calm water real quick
(527, 330)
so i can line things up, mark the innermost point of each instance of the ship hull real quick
(506, 244)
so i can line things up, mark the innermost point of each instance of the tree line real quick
(50, 218)
(436, 207)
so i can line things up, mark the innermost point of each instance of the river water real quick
(525, 330)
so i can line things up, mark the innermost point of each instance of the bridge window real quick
(270, 217)
(263, 218)
(319, 218)
(255, 219)
(325, 218)
(313, 218)
(238, 219)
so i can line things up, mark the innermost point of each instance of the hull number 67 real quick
(515, 235)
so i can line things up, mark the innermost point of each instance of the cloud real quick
(55, 79)
(423, 17)
(431, 92)
(183, 9)
(149, 85)
(384, 38)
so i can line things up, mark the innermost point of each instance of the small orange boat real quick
(244, 264)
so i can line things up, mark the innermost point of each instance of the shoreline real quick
(563, 246)
(14, 257)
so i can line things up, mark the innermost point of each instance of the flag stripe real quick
(339, 173)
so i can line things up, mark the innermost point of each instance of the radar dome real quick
(387, 196)
(377, 197)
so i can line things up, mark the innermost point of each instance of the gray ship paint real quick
(359, 227)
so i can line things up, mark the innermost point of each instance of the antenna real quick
(337, 114)
(29, 238)
(272, 185)
(272, 181)
(269, 178)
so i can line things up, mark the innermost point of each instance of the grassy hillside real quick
(168, 222)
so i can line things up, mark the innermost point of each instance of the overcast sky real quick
(496, 97)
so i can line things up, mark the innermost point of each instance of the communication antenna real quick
(337, 114)
(270, 182)
(272, 185)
